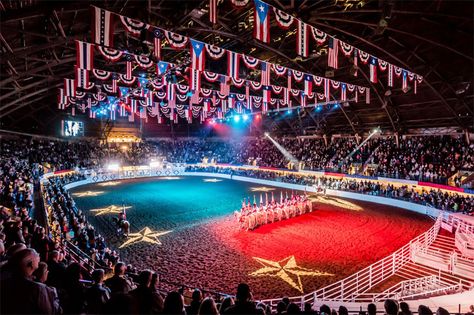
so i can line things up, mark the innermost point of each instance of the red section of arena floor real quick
(340, 237)
(330, 239)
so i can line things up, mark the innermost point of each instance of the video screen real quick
(73, 128)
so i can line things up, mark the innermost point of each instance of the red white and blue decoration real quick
(84, 55)
(261, 30)
(197, 55)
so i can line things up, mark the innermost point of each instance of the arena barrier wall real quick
(344, 194)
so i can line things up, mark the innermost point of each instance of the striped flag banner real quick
(303, 39)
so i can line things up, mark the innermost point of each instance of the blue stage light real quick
(318, 108)
(336, 105)
(245, 117)
(236, 118)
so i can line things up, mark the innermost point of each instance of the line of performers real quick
(253, 216)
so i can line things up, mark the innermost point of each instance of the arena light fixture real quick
(267, 134)
(236, 118)
(245, 117)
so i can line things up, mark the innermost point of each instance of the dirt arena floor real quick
(204, 247)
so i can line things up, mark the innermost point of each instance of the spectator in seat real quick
(41, 275)
(227, 302)
(281, 308)
(208, 307)
(324, 309)
(371, 309)
(293, 308)
(308, 309)
(98, 294)
(118, 283)
(56, 270)
(73, 299)
(404, 309)
(424, 310)
(196, 299)
(243, 301)
(343, 310)
(143, 296)
(157, 298)
(174, 304)
(20, 294)
(391, 307)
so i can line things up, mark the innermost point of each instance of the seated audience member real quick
(404, 309)
(73, 297)
(424, 310)
(208, 307)
(324, 309)
(20, 294)
(227, 302)
(391, 307)
(119, 283)
(243, 301)
(308, 309)
(174, 304)
(196, 300)
(157, 298)
(98, 294)
(56, 270)
(281, 307)
(143, 296)
(343, 310)
(293, 308)
(41, 275)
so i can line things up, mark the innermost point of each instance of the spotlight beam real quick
(373, 133)
(285, 153)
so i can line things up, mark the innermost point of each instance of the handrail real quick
(372, 275)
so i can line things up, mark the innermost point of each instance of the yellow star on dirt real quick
(287, 270)
(88, 193)
(211, 180)
(112, 183)
(261, 188)
(109, 210)
(145, 235)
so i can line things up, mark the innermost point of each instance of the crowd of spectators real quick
(435, 198)
(40, 274)
(427, 158)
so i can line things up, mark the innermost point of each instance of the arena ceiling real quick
(431, 38)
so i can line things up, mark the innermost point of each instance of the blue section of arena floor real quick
(163, 203)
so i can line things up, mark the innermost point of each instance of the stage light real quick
(336, 105)
(318, 108)
(113, 167)
(258, 116)
(245, 117)
(212, 121)
(266, 134)
(142, 75)
(288, 111)
(236, 118)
